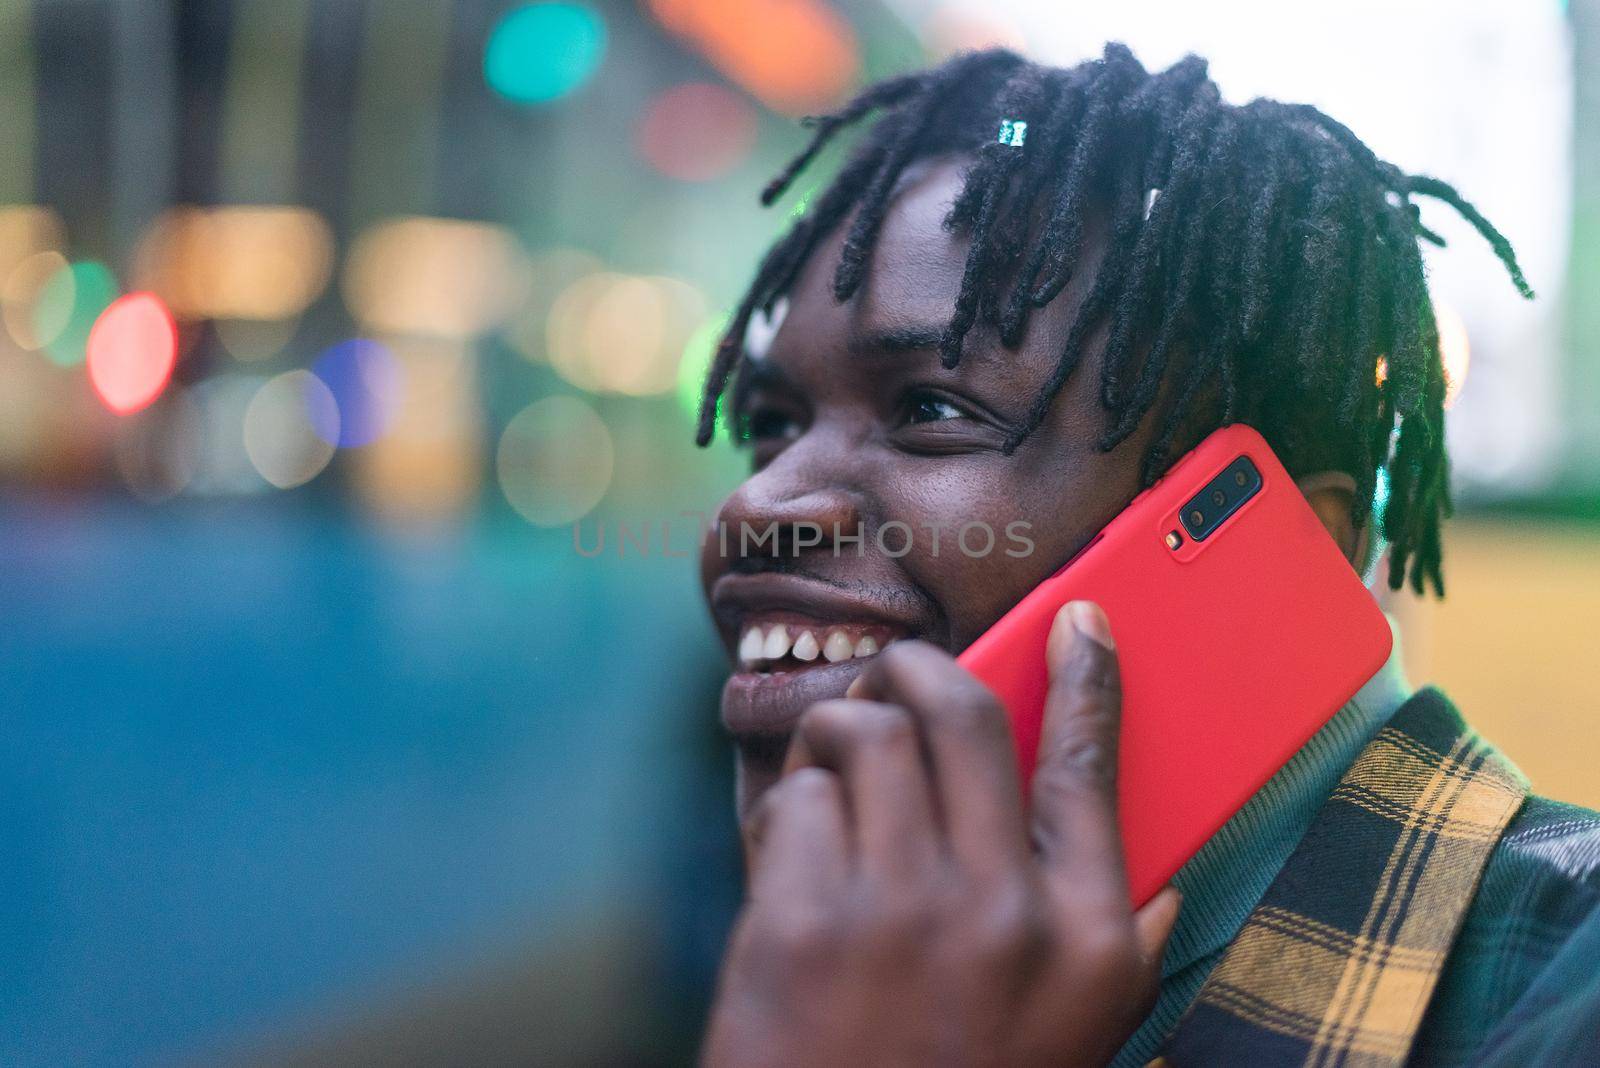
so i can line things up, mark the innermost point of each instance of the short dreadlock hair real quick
(1261, 256)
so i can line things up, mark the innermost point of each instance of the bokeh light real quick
(30, 326)
(542, 52)
(50, 426)
(366, 384)
(427, 469)
(68, 306)
(26, 230)
(132, 348)
(251, 262)
(619, 333)
(1455, 349)
(283, 427)
(555, 461)
(696, 132)
(444, 278)
(796, 56)
(31, 239)
(550, 272)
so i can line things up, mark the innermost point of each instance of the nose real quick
(796, 504)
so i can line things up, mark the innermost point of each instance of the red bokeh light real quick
(696, 132)
(796, 56)
(132, 348)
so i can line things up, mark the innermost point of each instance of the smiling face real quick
(854, 425)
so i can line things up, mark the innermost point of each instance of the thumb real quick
(1074, 785)
(1152, 925)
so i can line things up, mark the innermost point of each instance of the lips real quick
(796, 641)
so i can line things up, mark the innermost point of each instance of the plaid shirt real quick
(1432, 914)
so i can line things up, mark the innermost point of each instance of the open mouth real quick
(776, 646)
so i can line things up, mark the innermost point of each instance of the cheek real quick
(1001, 531)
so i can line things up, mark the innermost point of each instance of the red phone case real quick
(1234, 650)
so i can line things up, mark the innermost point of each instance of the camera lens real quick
(1197, 518)
(1219, 498)
(1240, 478)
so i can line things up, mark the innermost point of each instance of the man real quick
(1024, 295)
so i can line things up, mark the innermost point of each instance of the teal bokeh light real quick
(542, 52)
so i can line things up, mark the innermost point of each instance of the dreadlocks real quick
(1262, 260)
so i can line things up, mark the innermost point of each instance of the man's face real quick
(856, 425)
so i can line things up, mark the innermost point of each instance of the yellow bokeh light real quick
(236, 262)
(427, 466)
(439, 278)
(33, 327)
(550, 272)
(617, 333)
(555, 461)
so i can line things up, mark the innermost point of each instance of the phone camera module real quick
(1211, 507)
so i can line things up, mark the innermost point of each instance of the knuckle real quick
(799, 933)
(881, 724)
(1083, 758)
(976, 711)
(799, 789)
(906, 918)
(857, 724)
(1010, 926)
(1097, 676)
(804, 786)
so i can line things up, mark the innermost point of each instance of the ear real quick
(1331, 494)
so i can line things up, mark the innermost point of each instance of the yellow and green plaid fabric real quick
(1338, 963)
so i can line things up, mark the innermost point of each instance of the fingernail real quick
(1089, 620)
(854, 687)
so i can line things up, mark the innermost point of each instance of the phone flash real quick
(1174, 539)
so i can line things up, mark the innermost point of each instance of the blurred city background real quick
(324, 321)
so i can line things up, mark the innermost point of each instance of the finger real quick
(1075, 785)
(797, 842)
(874, 749)
(1152, 925)
(969, 746)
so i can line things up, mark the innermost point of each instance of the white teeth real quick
(759, 644)
(777, 643)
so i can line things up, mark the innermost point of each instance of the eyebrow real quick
(921, 337)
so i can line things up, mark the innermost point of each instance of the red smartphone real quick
(1240, 628)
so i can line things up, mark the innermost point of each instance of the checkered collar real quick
(1338, 961)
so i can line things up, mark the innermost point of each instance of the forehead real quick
(916, 266)
(913, 279)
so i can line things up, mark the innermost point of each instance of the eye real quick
(930, 408)
(766, 424)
